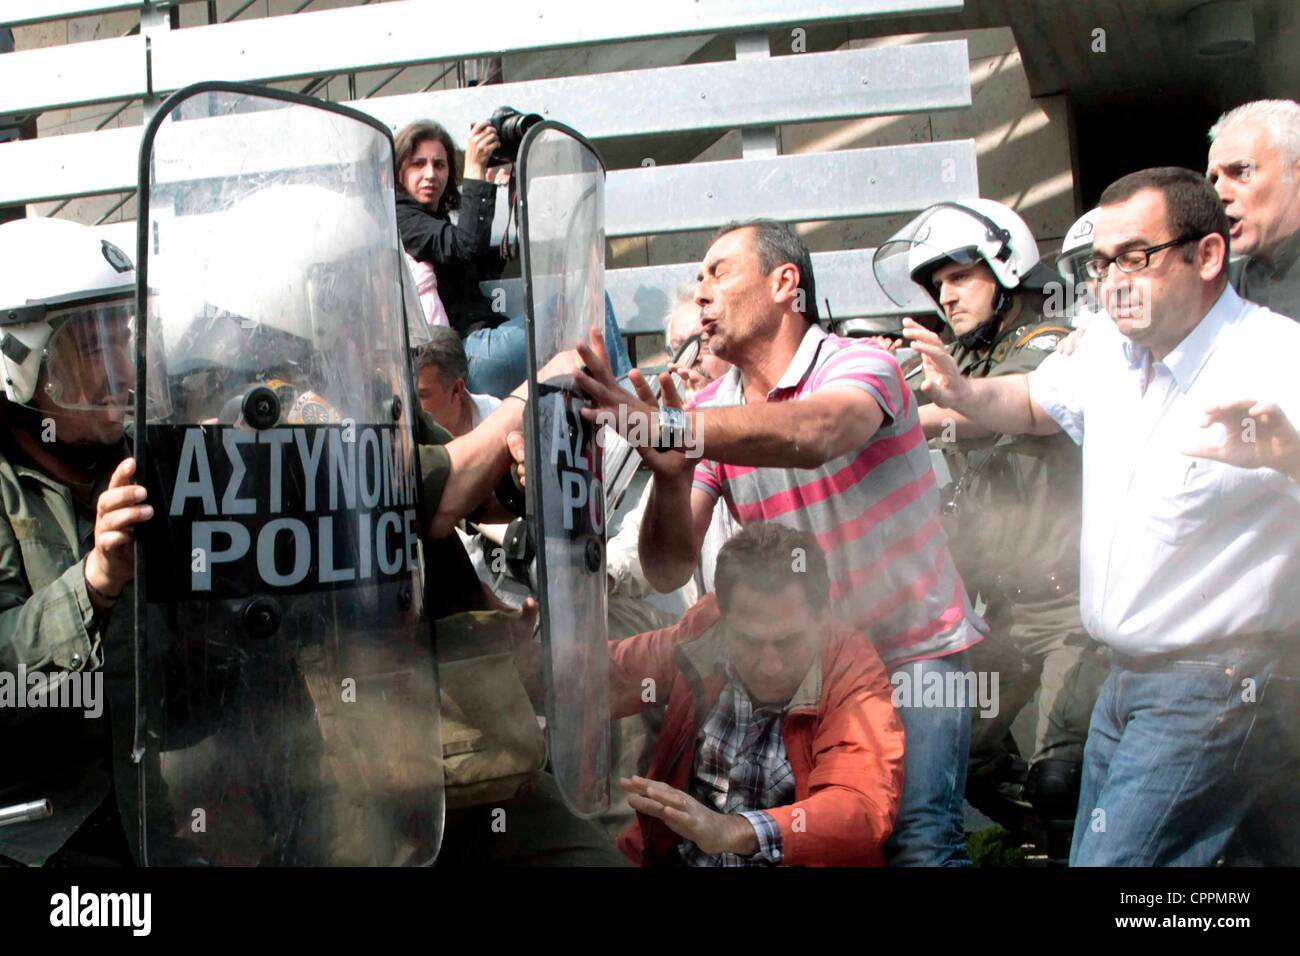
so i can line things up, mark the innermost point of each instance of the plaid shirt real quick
(741, 767)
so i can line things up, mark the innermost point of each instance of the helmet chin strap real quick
(983, 335)
(85, 455)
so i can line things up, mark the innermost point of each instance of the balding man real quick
(1254, 166)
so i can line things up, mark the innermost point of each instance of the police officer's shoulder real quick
(1043, 335)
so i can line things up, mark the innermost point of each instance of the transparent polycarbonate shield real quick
(562, 231)
(288, 690)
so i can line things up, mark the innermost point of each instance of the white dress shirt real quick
(1179, 551)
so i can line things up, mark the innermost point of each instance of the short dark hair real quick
(1192, 207)
(776, 244)
(445, 352)
(770, 557)
(411, 136)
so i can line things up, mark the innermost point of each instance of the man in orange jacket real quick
(780, 744)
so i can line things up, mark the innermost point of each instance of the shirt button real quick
(76, 660)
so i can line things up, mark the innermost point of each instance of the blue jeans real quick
(930, 829)
(498, 358)
(1178, 752)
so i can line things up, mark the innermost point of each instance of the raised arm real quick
(1001, 404)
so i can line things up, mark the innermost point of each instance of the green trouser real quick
(1036, 647)
(534, 829)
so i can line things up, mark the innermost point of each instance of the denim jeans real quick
(930, 829)
(498, 358)
(1179, 751)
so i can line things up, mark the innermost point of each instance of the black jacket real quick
(461, 252)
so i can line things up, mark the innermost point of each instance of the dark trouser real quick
(1035, 648)
(534, 829)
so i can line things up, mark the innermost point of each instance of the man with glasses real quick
(1254, 165)
(1191, 494)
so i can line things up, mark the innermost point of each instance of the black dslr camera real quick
(511, 125)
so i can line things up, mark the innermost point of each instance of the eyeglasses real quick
(1134, 260)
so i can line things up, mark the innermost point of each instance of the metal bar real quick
(802, 188)
(406, 31)
(78, 74)
(25, 812)
(19, 12)
(155, 22)
(805, 88)
(642, 296)
(380, 36)
(811, 87)
(756, 143)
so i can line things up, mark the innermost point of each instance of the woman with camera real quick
(452, 258)
(449, 260)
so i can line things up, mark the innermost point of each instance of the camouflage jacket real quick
(1013, 510)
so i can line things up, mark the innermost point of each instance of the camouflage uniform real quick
(1013, 518)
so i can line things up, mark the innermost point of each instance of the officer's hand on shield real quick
(709, 830)
(110, 565)
(634, 417)
(1255, 435)
(515, 443)
(944, 383)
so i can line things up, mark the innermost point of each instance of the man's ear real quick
(1211, 255)
(458, 388)
(785, 283)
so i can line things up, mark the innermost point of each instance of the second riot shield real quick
(562, 231)
(288, 692)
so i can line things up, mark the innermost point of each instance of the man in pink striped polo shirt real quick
(820, 433)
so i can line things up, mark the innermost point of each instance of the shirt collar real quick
(1189, 356)
(732, 387)
(805, 357)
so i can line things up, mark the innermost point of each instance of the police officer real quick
(1078, 299)
(1013, 512)
(70, 509)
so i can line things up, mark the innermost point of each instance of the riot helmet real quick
(295, 330)
(966, 232)
(1076, 250)
(67, 319)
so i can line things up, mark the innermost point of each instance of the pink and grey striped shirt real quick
(875, 511)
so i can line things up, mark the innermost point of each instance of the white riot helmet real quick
(279, 289)
(67, 308)
(1076, 248)
(963, 231)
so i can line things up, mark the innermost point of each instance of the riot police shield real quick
(288, 698)
(562, 234)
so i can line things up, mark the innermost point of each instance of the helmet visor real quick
(89, 358)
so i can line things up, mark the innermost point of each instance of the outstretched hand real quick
(944, 383)
(709, 830)
(1258, 435)
(633, 416)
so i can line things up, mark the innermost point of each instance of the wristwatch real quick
(672, 424)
